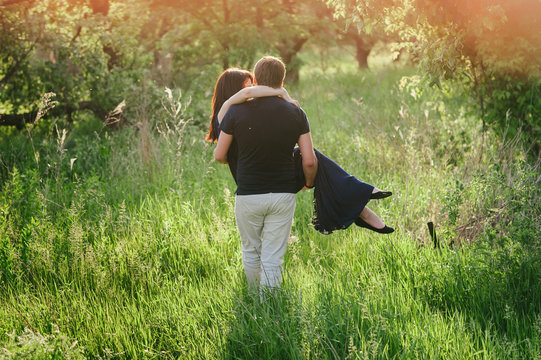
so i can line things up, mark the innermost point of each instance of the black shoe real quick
(384, 230)
(380, 195)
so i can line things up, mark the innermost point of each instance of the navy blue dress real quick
(339, 197)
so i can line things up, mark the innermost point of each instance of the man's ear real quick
(255, 81)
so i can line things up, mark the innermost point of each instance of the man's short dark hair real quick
(270, 71)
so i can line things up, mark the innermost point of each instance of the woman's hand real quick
(286, 97)
(295, 102)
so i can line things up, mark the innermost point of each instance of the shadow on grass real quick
(266, 327)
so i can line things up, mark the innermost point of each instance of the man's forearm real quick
(310, 171)
(309, 160)
(220, 152)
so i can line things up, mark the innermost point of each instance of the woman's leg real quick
(371, 218)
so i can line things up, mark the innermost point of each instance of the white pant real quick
(264, 223)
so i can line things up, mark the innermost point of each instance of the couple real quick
(257, 139)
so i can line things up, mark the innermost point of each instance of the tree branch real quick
(15, 67)
(19, 120)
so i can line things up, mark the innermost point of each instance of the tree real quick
(82, 52)
(211, 31)
(290, 24)
(494, 47)
(234, 33)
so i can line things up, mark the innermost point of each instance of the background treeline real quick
(94, 54)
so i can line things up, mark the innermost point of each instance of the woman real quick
(339, 198)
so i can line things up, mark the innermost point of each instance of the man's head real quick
(270, 71)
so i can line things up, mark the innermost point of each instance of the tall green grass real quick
(131, 250)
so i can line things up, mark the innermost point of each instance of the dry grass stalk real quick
(114, 116)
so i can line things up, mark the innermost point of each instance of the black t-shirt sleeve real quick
(228, 123)
(304, 126)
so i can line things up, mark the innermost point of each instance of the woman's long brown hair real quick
(228, 84)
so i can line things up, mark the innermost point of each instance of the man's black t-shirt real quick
(266, 130)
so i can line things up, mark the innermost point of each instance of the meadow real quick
(122, 244)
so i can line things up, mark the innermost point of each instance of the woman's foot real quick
(378, 194)
(384, 230)
(368, 219)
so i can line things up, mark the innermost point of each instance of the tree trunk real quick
(292, 74)
(259, 17)
(113, 60)
(225, 44)
(19, 120)
(225, 57)
(290, 59)
(100, 6)
(363, 50)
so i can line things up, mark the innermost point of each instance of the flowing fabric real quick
(339, 197)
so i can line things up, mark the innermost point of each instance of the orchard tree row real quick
(94, 53)
(491, 47)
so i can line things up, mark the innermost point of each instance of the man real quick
(266, 131)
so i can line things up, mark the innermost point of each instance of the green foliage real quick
(492, 47)
(93, 55)
(230, 33)
(514, 108)
(91, 62)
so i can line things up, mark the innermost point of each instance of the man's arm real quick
(220, 153)
(309, 160)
